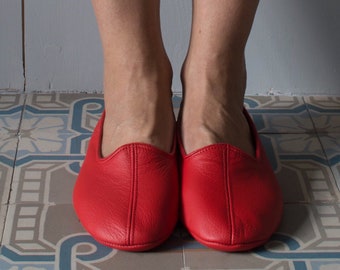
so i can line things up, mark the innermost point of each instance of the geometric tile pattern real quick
(43, 140)
(325, 115)
(11, 107)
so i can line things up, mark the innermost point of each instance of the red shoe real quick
(230, 200)
(128, 200)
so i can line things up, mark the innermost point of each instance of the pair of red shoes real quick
(129, 200)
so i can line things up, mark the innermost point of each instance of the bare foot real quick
(213, 106)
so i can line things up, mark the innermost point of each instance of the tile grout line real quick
(14, 162)
(183, 257)
(321, 144)
(18, 135)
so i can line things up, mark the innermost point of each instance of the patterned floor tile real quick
(50, 236)
(54, 134)
(47, 181)
(7, 150)
(279, 114)
(6, 172)
(154, 260)
(62, 113)
(325, 112)
(45, 236)
(301, 168)
(10, 116)
(331, 146)
(11, 106)
(43, 232)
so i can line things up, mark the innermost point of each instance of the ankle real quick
(148, 61)
(215, 82)
(138, 107)
(213, 104)
(213, 67)
(150, 80)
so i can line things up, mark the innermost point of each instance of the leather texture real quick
(128, 200)
(230, 201)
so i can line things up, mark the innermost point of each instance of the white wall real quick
(62, 46)
(293, 48)
(11, 64)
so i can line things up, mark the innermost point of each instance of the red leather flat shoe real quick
(230, 201)
(128, 200)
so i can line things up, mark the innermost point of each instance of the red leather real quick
(128, 200)
(230, 200)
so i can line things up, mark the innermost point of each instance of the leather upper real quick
(230, 201)
(128, 200)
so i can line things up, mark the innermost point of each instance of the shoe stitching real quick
(226, 177)
(129, 218)
(226, 192)
(137, 145)
(132, 206)
(255, 138)
(136, 180)
(98, 132)
(136, 173)
(220, 146)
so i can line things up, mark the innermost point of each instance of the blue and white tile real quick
(39, 236)
(42, 181)
(11, 106)
(64, 113)
(52, 146)
(301, 167)
(10, 116)
(279, 114)
(51, 237)
(57, 127)
(43, 232)
(325, 112)
(331, 146)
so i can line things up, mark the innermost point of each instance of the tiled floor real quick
(43, 138)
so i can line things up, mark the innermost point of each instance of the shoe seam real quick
(228, 194)
(255, 138)
(225, 183)
(219, 146)
(133, 194)
(135, 145)
(97, 143)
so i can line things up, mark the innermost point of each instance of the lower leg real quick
(137, 75)
(214, 75)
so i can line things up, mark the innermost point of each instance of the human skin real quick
(138, 74)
